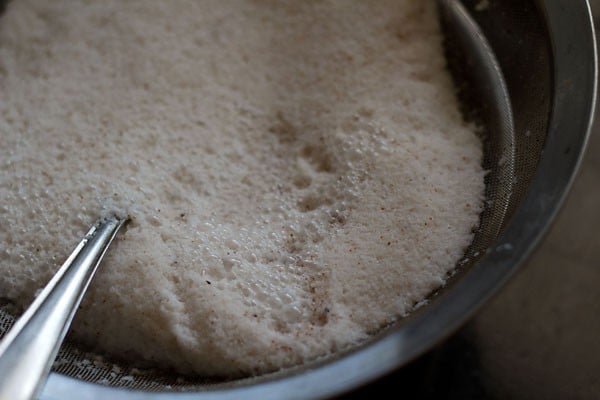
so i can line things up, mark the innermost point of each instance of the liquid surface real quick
(298, 173)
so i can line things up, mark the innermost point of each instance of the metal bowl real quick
(527, 71)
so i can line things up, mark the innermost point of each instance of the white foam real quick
(297, 173)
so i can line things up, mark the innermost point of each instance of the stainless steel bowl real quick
(527, 71)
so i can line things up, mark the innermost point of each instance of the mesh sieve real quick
(515, 114)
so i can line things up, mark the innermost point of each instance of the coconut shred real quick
(298, 174)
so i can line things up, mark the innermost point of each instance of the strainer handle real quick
(28, 350)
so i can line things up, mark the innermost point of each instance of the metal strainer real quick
(526, 71)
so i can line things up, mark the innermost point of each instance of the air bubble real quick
(286, 298)
(232, 244)
(229, 263)
(292, 314)
(206, 226)
(153, 220)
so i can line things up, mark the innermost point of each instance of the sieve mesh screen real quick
(516, 32)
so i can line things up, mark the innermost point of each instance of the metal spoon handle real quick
(28, 350)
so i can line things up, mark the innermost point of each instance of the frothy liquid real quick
(298, 173)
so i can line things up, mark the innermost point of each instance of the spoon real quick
(29, 348)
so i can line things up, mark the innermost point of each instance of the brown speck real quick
(208, 282)
(389, 243)
(182, 215)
